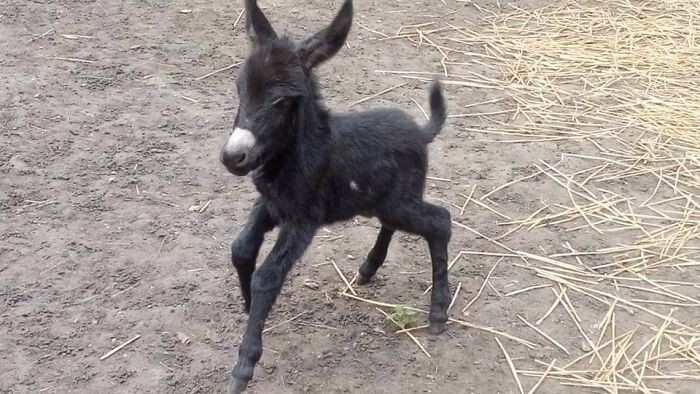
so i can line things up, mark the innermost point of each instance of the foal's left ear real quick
(326, 43)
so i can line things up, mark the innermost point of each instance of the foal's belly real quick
(348, 206)
(338, 214)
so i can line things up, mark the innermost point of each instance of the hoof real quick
(437, 327)
(362, 280)
(237, 385)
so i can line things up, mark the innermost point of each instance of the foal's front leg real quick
(265, 287)
(245, 249)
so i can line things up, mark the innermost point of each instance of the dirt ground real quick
(108, 140)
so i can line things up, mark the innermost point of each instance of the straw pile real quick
(622, 78)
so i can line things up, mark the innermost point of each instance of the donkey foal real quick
(312, 168)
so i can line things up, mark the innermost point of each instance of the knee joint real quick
(242, 255)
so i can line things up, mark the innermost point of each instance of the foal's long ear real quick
(326, 43)
(257, 26)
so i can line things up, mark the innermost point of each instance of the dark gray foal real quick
(313, 167)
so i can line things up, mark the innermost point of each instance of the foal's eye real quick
(281, 103)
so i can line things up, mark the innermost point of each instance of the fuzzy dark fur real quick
(312, 168)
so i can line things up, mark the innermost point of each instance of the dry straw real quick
(619, 79)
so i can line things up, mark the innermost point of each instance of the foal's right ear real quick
(257, 26)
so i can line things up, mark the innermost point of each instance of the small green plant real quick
(402, 316)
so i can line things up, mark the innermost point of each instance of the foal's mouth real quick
(239, 171)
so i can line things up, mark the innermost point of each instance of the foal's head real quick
(274, 82)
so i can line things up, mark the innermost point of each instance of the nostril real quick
(240, 159)
(231, 159)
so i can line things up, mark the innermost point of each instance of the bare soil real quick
(107, 141)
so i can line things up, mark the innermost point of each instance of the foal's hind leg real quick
(376, 256)
(432, 223)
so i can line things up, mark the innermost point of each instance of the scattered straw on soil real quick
(619, 78)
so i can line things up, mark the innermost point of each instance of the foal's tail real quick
(438, 111)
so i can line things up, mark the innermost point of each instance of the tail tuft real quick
(438, 111)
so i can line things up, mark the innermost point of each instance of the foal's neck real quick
(305, 160)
